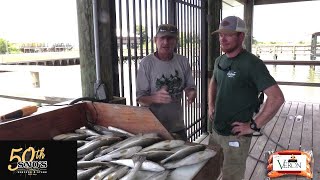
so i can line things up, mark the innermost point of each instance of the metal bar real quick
(161, 11)
(204, 63)
(151, 25)
(140, 30)
(121, 48)
(146, 25)
(188, 4)
(135, 36)
(129, 50)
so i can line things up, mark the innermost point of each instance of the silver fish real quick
(137, 161)
(184, 153)
(146, 165)
(164, 145)
(70, 137)
(156, 155)
(124, 153)
(81, 143)
(100, 175)
(100, 136)
(91, 155)
(162, 175)
(111, 128)
(86, 174)
(89, 132)
(90, 164)
(194, 158)
(90, 146)
(117, 174)
(143, 142)
(125, 142)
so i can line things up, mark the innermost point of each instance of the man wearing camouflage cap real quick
(161, 79)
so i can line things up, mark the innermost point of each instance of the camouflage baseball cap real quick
(231, 24)
(167, 30)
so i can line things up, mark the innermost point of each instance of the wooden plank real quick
(316, 141)
(288, 130)
(295, 139)
(306, 137)
(257, 148)
(45, 125)
(274, 134)
(130, 118)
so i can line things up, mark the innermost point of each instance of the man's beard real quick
(229, 50)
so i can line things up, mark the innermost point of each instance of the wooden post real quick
(107, 46)
(248, 18)
(213, 51)
(213, 19)
(35, 79)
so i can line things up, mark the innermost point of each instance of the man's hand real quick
(241, 129)
(162, 96)
(191, 95)
(210, 113)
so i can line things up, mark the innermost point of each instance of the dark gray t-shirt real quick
(176, 75)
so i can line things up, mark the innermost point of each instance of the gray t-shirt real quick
(176, 75)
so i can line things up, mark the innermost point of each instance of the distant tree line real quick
(7, 48)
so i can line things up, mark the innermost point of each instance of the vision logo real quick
(28, 161)
(290, 162)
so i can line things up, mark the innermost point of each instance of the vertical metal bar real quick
(121, 48)
(178, 25)
(172, 12)
(140, 30)
(146, 26)
(157, 13)
(166, 11)
(129, 50)
(151, 24)
(135, 36)
(161, 11)
(197, 65)
(204, 63)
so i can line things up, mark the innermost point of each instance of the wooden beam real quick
(248, 18)
(107, 46)
(298, 83)
(291, 62)
(261, 2)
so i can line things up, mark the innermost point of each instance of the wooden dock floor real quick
(295, 126)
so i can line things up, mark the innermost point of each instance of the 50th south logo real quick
(29, 161)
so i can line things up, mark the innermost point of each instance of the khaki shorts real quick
(235, 152)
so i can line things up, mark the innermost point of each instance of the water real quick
(65, 81)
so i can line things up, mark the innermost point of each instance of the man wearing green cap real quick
(238, 77)
(161, 79)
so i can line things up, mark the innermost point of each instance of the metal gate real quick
(136, 24)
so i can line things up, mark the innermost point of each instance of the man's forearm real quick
(273, 103)
(212, 91)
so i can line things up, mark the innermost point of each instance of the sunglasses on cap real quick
(167, 28)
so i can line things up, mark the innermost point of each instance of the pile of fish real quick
(112, 153)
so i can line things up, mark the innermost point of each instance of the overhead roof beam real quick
(264, 2)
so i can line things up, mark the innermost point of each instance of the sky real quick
(284, 22)
(39, 20)
(56, 21)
